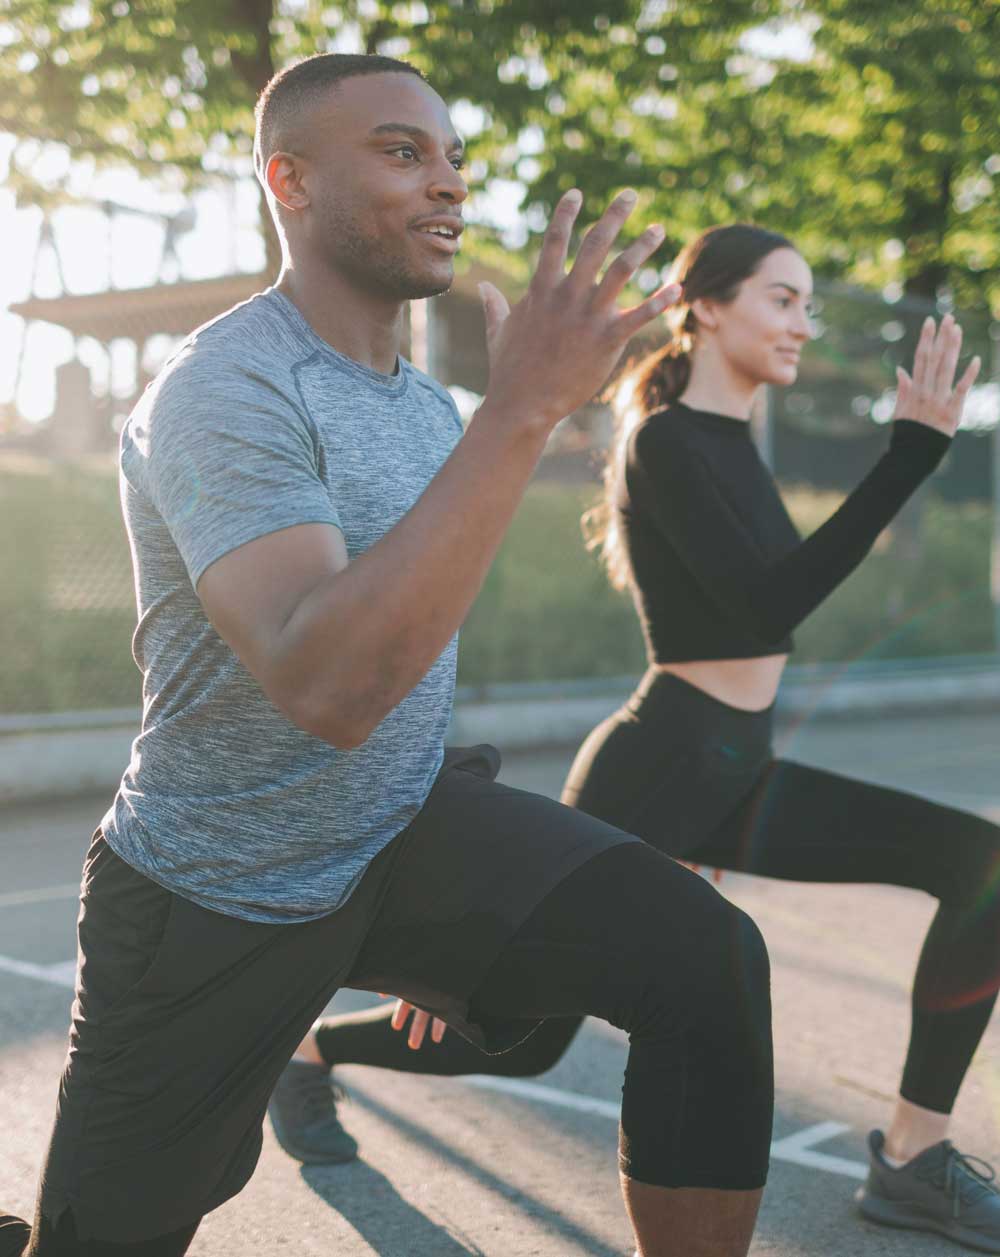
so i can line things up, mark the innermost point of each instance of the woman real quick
(694, 527)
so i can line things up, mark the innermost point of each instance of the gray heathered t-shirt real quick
(255, 425)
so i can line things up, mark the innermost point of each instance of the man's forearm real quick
(357, 644)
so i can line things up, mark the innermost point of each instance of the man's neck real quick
(363, 327)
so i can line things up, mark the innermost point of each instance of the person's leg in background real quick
(365, 1038)
(806, 824)
(305, 1105)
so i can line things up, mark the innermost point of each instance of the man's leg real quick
(506, 908)
(62, 1241)
(183, 1020)
(636, 939)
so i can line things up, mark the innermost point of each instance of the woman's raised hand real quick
(931, 396)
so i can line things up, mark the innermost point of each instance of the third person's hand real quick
(419, 1024)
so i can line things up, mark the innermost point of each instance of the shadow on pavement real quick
(366, 1199)
(393, 1226)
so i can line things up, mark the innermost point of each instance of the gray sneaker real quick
(303, 1111)
(940, 1190)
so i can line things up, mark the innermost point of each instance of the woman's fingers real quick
(957, 401)
(947, 349)
(438, 1027)
(921, 359)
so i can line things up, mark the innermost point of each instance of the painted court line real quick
(42, 895)
(62, 974)
(797, 1149)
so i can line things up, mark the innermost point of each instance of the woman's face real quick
(762, 331)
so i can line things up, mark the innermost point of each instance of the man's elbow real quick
(344, 724)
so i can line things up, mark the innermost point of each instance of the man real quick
(309, 529)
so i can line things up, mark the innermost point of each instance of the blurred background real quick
(129, 215)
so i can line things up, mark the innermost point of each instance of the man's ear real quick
(705, 312)
(283, 175)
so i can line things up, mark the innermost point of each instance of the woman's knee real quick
(967, 869)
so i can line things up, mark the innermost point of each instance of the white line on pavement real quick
(44, 893)
(796, 1149)
(546, 1095)
(62, 974)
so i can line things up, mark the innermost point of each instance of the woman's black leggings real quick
(697, 779)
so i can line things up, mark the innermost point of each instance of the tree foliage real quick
(870, 134)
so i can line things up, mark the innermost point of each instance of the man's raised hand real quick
(552, 352)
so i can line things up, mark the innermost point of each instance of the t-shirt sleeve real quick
(772, 596)
(228, 458)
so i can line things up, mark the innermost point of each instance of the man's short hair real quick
(285, 98)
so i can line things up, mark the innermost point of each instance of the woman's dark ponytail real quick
(714, 265)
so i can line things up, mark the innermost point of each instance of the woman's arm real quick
(770, 597)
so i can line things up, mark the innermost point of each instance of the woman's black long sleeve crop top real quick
(719, 570)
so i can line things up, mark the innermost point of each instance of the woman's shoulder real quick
(672, 427)
(664, 447)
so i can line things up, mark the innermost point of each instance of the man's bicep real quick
(250, 593)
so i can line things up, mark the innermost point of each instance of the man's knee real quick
(714, 983)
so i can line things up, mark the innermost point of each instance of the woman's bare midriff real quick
(748, 684)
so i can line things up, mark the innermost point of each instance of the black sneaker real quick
(303, 1111)
(940, 1190)
(14, 1235)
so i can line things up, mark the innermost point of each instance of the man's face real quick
(380, 163)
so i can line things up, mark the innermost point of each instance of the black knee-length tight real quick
(697, 779)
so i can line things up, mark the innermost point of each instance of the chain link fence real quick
(546, 613)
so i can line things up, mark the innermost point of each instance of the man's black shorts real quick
(184, 1018)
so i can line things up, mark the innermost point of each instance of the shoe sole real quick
(301, 1154)
(887, 1213)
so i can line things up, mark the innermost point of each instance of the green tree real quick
(871, 134)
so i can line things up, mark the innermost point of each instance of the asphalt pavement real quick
(527, 1169)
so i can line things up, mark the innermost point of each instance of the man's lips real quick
(444, 244)
(444, 231)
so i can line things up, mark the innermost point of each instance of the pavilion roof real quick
(137, 313)
(172, 309)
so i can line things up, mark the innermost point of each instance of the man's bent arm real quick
(337, 645)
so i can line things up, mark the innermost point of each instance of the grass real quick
(546, 611)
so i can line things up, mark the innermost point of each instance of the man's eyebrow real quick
(418, 133)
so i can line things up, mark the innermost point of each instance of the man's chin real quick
(429, 286)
